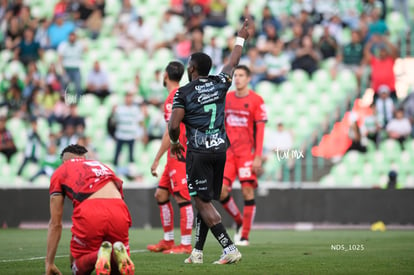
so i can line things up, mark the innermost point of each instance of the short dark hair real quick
(244, 68)
(202, 63)
(175, 70)
(75, 149)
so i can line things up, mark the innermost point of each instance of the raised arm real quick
(392, 49)
(236, 53)
(367, 52)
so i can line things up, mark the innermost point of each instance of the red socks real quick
(186, 222)
(85, 264)
(231, 207)
(249, 212)
(167, 219)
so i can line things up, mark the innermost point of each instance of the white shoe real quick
(196, 257)
(230, 257)
(237, 235)
(242, 243)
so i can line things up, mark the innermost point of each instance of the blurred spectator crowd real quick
(43, 76)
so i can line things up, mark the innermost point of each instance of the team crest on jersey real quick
(168, 106)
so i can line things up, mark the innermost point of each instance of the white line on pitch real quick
(57, 256)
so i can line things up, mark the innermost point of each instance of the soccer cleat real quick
(242, 242)
(124, 262)
(103, 263)
(229, 258)
(179, 249)
(237, 235)
(161, 246)
(196, 257)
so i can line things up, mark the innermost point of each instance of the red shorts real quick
(241, 167)
(174, 178)
(96, 221)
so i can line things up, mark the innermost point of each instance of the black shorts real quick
(205, 174)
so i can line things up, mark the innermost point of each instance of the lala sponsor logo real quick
(214, 141)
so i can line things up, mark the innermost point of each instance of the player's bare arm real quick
(176, 147)
(257, 161)
(237, 50)
(165, 144)
(391, 48)
(257, 165)
(54, 233)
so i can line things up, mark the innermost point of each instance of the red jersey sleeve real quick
(260, 117)
(168, 105)
(55, 187)
(260, 113)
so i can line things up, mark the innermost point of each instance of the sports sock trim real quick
(219, 231)
(182, 204)
(250, 202)
(164, 202)
(226, 199)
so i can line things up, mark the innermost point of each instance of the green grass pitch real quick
(270, 252)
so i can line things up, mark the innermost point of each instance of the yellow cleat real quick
(103, 263)
(124, 262)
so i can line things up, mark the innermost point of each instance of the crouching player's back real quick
(101, 218)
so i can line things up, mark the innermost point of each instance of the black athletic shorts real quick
(205, 174)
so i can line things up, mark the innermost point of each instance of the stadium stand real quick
(309, 105)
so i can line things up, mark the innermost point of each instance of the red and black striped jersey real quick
(79, 178)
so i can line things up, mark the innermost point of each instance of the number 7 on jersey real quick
(213, 109)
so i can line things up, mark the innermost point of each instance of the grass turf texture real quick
(270, 252)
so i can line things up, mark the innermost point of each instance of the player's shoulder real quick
(173, 91)
(231, 93)
(171, 95)
(185, 88)
(60, 170)
(255, 96)
(231, 96)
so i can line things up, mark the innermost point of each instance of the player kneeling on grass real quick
(101, 218)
